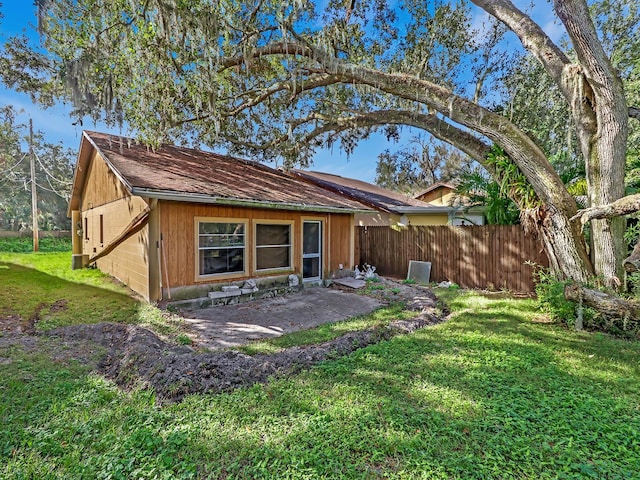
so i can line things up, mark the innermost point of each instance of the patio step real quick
(230, 298)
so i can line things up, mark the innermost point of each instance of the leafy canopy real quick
(222, 72)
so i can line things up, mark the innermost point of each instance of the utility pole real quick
(34, 193)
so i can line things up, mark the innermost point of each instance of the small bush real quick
(633, 282)
(550, 292)
(551, 299)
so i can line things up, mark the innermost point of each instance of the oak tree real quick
(280, 78)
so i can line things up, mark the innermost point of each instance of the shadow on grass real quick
(51, 301)
(492, 398)
(518, 404)
(462, 400)
(484, 395)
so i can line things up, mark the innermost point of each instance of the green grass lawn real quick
(44, 284)
(495, 392)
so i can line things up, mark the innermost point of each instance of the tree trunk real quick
(563, 245)
(600, 114)
(609, 305)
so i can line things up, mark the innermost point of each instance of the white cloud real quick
(480, 22)
(54, 122)
(555, 30)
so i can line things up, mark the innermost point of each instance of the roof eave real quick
(240, 202)
(359, 195)
(79, 176)
(423, 210)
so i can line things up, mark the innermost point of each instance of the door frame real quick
(319, 254)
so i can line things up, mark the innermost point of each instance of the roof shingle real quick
(197, 174)
(373, 195)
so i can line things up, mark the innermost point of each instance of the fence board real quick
(487, 257)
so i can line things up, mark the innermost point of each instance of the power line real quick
(15, 166)
(49, 174)
(52, 190)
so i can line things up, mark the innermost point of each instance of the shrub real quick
(633, 282)
(550, 292)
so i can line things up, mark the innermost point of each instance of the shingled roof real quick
(369, 194)
(184, 174)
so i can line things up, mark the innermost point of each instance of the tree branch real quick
(440, 129)
(284, 47)
(634, 112)
(624, 206)
(530, 34)
(610, 305)
(294, 86)
(519, 146)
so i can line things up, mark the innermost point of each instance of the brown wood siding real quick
(129, 262)
(101, 185)
(487, 257)
(340, 242)
(177, 220)
(107, 209)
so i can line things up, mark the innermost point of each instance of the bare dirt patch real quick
(12, 323)
(136, 355)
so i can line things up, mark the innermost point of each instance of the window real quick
(101, 229)
(273, 246)
(86, 228)
(221, 247)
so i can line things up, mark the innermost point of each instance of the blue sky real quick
(19, 15)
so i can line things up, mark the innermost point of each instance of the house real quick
(442, 193)
(439, 193)
(391, 208)
(175, 222)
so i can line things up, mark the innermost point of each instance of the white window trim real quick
(197, 222)
(255, 245)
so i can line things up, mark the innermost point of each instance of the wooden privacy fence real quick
(488, 257)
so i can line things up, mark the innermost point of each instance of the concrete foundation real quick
(79, 261)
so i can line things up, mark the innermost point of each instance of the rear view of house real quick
(176, 220)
